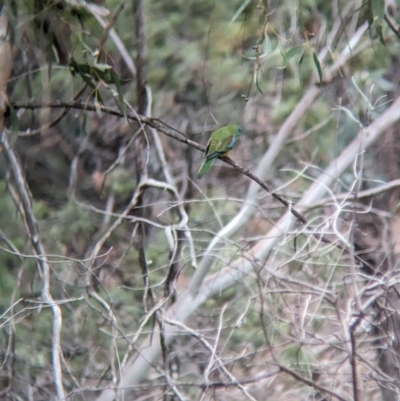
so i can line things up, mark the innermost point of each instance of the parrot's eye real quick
(239, 130)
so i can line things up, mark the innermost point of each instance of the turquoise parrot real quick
(221, 142)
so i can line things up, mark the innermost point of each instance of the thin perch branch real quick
(165, 129)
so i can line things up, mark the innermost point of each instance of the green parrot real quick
(221, 142)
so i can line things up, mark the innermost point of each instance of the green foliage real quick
(9, 261)
(183, 46)
(71, 223)
(41, 210)
(7, 283)
(297, 355)
(120, 182)
(375, 15)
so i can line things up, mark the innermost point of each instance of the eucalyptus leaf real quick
(294, 51)
(240, 10)
(117, 82)
(318, 67)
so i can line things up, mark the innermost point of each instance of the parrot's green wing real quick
(221, 142)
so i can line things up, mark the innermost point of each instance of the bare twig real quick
(211, 349)
(378, 190)
(310, 383)
(392, 27)
(109, 26)
(119, 44)
(56, 120)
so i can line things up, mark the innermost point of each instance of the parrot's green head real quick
(235, 129)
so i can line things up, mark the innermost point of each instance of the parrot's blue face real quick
(234, 138)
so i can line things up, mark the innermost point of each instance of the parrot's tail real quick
(207, 164)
